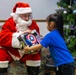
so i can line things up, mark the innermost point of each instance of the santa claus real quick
(10, 48)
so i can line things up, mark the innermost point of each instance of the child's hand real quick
(26, 49)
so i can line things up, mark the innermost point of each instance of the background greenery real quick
(68, 10)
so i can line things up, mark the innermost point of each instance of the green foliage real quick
(62, 4)
(70, 41)
(74, 54)
(67, 1)
(69, 7)
(72, 44)
(66, 8)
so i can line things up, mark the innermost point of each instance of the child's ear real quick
(52, 23)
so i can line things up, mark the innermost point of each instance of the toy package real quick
(30, 39)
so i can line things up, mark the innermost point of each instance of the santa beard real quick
(21, 25)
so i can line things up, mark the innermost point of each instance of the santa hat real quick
(22, 8)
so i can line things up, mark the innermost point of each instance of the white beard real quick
(21, 25)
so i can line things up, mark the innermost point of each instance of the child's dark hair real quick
(58, 19)
(51, 18)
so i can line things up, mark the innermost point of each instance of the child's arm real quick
(33, 48)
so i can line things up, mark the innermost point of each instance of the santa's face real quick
(26, 16)
(23, 21)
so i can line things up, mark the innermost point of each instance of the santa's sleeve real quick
(8, 36)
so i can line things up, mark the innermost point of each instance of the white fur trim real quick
(12, 14)
(23, 10)
(21, 52)
(33, 63)
(4, 64)
(14, 57)
(15, 41)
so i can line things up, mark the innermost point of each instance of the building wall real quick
(40, 8)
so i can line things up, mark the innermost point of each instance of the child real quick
(61, 56)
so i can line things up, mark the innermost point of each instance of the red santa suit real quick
(10, 45)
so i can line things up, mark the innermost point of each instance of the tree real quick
(68, 10)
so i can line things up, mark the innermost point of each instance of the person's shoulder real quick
(9, 19)
(33, 21)
(47, 35)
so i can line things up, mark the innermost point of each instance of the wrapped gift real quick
(30, 39)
